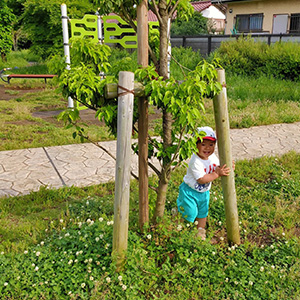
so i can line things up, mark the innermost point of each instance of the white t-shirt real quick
(198, 167)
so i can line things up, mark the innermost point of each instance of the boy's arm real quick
(219, 171)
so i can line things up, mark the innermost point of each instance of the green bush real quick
(246, 56)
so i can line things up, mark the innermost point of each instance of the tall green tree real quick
(197, 24)
(42, 23)
(6, 19)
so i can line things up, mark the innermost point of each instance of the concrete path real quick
(26, 170)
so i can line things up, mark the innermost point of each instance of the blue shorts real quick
(192, 204)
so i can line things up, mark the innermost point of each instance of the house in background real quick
(261, 16)
(215, 15)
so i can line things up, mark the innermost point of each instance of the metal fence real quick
(208, 43)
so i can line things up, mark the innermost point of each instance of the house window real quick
(295, 23)
(249, 23)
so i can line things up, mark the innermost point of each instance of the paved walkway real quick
(26, 170)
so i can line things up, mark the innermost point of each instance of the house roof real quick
(226, 1)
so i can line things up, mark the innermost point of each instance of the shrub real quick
(246, 56)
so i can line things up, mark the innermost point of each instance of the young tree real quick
(6, 19)
(181, 104)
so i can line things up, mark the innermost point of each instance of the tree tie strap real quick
(126, 91)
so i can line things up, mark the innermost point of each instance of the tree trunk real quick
(167, 117)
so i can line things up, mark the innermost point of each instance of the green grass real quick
(19, 129)
(251, 102)
(56, 243)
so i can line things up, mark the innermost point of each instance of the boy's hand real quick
(223, 171)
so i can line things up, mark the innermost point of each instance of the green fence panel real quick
(117, 31)
(86, 27)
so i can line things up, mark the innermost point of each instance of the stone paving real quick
(26, 170)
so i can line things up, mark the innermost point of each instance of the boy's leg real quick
(201, 228)
(201, 222)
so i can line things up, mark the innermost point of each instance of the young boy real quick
(204, 167)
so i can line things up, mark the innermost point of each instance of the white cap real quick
(209, 133)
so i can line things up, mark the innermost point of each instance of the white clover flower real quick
(91, 223)
(272, 267)
(5, 283)
(90, 260)
(221, 238)
(103, 268)
(120, 278)
(188, 260)
(83, 285)
(179, 227)
(67, 234)
(70, 262)
(33, 265)
(76, 260)
(108, 280)
(220, 223)
(124, 287)
(87, 202)
(149, 236)
(97, 239)
(79, 224)
(25, 252)
(250, 282)
(61, 220)
(226, 279)
(70, 293)
(213, 253)
(236, 282)
(262, 246)
(272, 246)
(91, 278)
(101, 236)
(42, 243)
(100, 219)
(36, 268)
(196, 222)
(262, 269)
(283, 234)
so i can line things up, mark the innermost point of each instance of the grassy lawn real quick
(251, 102)
(56, 244)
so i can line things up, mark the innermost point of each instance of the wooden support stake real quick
(142, 36)
(224, 148)
(122, 176)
